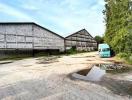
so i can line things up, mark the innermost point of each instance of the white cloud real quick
(31, 7)
(101, 2)
(61, 16)
(15, 13)
(90, 17)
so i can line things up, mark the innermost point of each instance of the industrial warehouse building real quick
(27, 37)
(30, 38)
(80, 40)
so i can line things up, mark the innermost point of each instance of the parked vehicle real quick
(104, 50)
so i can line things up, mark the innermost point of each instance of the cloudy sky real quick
(61, 16)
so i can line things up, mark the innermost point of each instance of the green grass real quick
(126, 57)
(15, 57)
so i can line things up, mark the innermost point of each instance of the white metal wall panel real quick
(10, 38)
(16, 33)
(20, 39)
(10, 29)
(2, 29)
(11, 45)
(74, 38)
(36, 40)
(21, 45)
(38, 45)
(83, 43)
(30, 35)
(47, 39)
(84, 40)
(29, 45)
(25, 30)
(29, 39)
(73, 42)
(68, 42)
(20, 30)
(38, 32)
(2, 45)
(1, 38)
(69, 38)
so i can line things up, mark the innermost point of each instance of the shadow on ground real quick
(120, 87)
(84, 57)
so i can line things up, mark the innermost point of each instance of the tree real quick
(99, 39)
(118, 19)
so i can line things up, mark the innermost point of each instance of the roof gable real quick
(80, 32)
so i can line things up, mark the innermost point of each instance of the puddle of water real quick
(129, 78)
(83, 72)
(119, 86)
(93, 74)
(99, 70)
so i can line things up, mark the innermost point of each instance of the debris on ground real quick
(47, 60)
(115, 68)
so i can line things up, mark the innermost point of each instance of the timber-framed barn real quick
(81, 40)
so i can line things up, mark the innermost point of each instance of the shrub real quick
(71, 51)
(122, 55)
(126, 56)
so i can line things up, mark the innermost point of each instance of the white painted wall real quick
(47, 40)
(28, 36)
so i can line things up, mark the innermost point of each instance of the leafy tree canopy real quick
(99, 39)
(118, 19)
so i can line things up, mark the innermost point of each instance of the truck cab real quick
(104, 50)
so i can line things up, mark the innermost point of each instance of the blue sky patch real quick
(61, 16)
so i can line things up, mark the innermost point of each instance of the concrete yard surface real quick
(35, 79)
